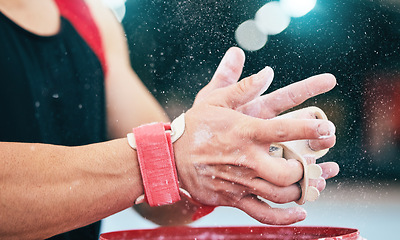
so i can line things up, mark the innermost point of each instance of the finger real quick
(310, 159)
(264, 213)
(245, 179)
(275, 193)
(322, 144)
(319, 183)
(282, 130)
(244, 91)
(279, 171)
(270, 105)
(227, 73)
(235, 174)
(329, 169)
(229, 192)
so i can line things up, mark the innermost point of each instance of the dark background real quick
(177, 45)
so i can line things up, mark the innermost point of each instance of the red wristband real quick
(152, 138)
(157, 164)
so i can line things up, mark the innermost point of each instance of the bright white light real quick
(117, 6)
(297, 8)
(271, 19)
(249, 37)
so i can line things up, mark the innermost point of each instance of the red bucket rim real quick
(236, 233)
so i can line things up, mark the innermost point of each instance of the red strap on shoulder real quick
(157, 164)
(79, 15)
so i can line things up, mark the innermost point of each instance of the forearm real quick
(47, 189)
(129, 103)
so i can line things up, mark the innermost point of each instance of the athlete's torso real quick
(52, 88)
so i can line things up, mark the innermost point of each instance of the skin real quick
(222, 159)
(265, 107)
(249, 139)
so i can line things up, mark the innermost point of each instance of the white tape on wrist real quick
(177, 130)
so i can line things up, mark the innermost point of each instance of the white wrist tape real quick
(177, 130)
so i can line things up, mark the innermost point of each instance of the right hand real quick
(222, 159)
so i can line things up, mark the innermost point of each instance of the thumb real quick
(227, 73)
(244, 91)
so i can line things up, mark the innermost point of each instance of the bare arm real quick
(48, 189)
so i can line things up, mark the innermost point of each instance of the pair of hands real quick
(223, 157)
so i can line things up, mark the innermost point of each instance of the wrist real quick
(173, 187)
(153, 143)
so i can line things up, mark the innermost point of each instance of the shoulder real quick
(101, 13)
(112, 33)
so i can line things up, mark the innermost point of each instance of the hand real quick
(271, 105)
(222, 159)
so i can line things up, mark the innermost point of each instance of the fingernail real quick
(326, 129)
(265, 75)
(230, 58)
(267, 69)
(267, 72)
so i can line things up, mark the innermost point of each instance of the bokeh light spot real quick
(297, 8)
(249, 37)
(271, 19)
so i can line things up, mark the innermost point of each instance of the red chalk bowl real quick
(225, 233)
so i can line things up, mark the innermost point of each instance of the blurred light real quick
(249, 37)
(271, 19)
(118, 8)
(297, 8)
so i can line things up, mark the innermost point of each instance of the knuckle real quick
(269, 219)
(281, 132)
(242, 86)
(292, 97)
(232, 197)
(244, 130)
(285, 218)
(308, 89)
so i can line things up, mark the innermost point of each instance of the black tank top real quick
(52, 88)
(51, 91)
